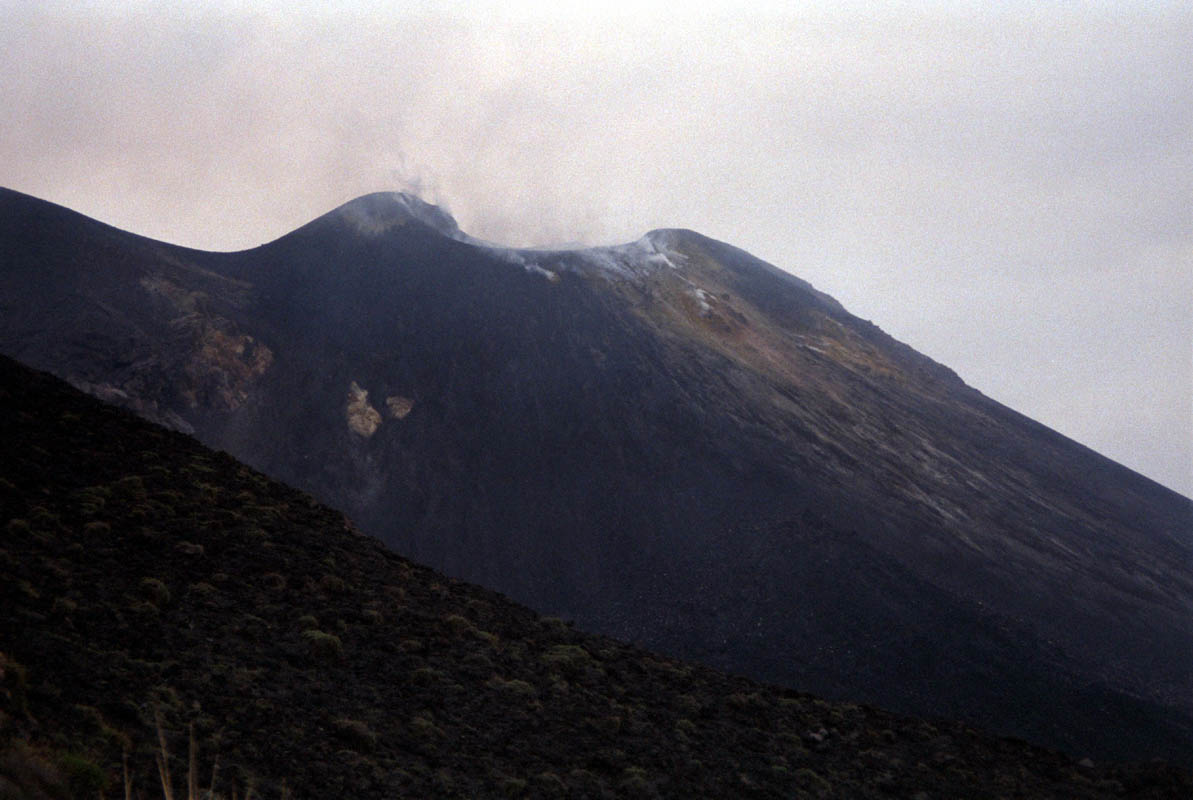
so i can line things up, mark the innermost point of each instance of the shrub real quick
(688, 704)
(274, 581)
(155, 591)
(513, 787)
(515, 687)
(203, 592)
(142, 512)
(144, 608)
(747, 700)
(425, 676)
(93, 499)
(332, 584)
(608, 725)
(570, 655)
(813, 783)
(43, 518)
(355, 733)
(326, 646)
(458, 624)
(551, 783)
(425, 727)
(84, 777)
(14, 679)
(95, 722)
(18, 527)
(634, 781)
(131, 486)
(484, 636)
(570, 659)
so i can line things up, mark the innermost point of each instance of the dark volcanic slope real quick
(669, 441)
(141, 571)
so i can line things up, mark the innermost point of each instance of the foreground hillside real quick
(670, 442)
(142, 575)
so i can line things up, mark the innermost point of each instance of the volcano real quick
(668, 441)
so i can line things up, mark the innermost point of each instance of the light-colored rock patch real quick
(363, 419)
(399, 406)
(223, 366)
(224, 362)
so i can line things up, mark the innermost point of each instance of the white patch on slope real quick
(373, 215)
(637, 259)
(519, 258)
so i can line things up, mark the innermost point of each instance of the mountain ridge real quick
(676, 444)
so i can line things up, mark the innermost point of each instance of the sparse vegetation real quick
(326, 646)
(309, 662)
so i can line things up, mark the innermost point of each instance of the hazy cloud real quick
(1006, 190)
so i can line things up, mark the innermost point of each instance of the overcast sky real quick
(1006, 186)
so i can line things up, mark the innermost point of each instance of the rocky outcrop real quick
(399, 406)
(363, 419)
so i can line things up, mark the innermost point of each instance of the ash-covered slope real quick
(669, 441)
(152, 587)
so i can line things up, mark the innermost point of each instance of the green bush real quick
(570, 656)
(18, 527)
(84, 777)
(326, 646)
(635, 781)
(427, 676)
(425, 727)
(484, 636)
(516, 686)
(14, 680)
(332, 584)
(551, 784)
(203, 592)
(356, 733)
(513, 787)
(274, 581)
(811, 782)
(458, 624)
(155, 591)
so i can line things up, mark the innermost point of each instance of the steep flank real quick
(146, 579)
